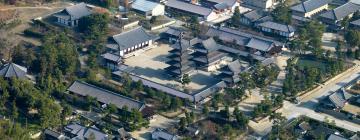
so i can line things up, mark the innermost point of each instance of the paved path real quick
(310, 100)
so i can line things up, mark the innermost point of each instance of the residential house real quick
(336, 137)
(303, 128)
(222, 6)
(230, 73)
(129, 42)
(148, 8)
(355, 24)
(261, 4)
(310, 7)
(339, 99)
(207, 54)
(70, 16)
(111, 61)
(161, 134)
(278, 29)
(104, 96)
(181, 7)
(79, 132)
(252, 17)
(334, 17)
(13, 70)
(248, 43)
(53, 135)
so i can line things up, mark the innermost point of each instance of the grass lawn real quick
(306, 62)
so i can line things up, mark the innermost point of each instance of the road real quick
(309, 101)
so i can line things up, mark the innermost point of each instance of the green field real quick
(305, 62)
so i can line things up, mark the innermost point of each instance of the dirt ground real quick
(151, 65)
(28, 13)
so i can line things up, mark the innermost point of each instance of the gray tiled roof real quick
(131, 38)
(105, 96)
(82, 132)
(356, 22)
(229, 3)
(336, 137)
(111, 57)
(277, 26)
(243, 39)
(337, 99)
(78, 11)
(254, 15)
(235, 67)
(13, 70)
(342, 11)
(163, 134)
(188, 7)
(309, 5)
(221, 6)
(210, 44)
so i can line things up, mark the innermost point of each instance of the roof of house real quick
(13, 70)
(163, 134)
(243, 39)
(336, 137)
(175, 31)
(309, 5)
(144, 5)
(278, 26)
(235, 67)
(254, 15)
(259, 44)
(229, 3)
(355, 22)
(221, 6)
(105, 96)
(203, 11)
(304, 126)
(78, 11)
(337, 99)
(342, 11)
(355, 137)
(210, 44)
(111, 57)
(131, 38)
(53, 134)
(82, 132)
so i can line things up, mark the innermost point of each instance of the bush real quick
(32, 33)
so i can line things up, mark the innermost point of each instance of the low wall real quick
(162, 25)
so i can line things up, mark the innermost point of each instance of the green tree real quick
(353, 37)
(14, 111)
(95, 27)
(282, 13)
(205, 110)
(235, 19)
(185, 80)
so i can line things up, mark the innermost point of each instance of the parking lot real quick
(151, 65)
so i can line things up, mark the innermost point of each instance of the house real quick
(334, 17)
(355, 24)
(53, 135)
(180, 7)
(303, 127)
(70, 16)
(129, 42)
(222, 6)
(148, 8)
(310, 7)
(13, 70)
(173, 33)
(261, 4)
(230, 73)
(111, 61)
(104, 96)
(207, 54)
(336, 137)
(161, 134)
(248, 43)
(250, 18)
(278, 29)
(339, 99)
(79, 132)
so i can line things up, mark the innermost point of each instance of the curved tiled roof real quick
(13, 70)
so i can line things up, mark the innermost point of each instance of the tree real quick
(50, 114)
(176, 103)
(95, 27)
(205, 110)
(282, 13)
(14, 111)
(153, 19)
(235, 19)
(353, 37)
(111, 108)
(185, 80)
(182, 123)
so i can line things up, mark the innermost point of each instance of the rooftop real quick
(278, 26)
(132, 38)
(13, 70)
(76, 11)
(342, 11)
(189, 7)
(82, 132)
(144, 5)
(254, 15)
(309, 5)
(111, 57)
(105, 96)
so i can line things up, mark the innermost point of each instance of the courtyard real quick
(151, 65)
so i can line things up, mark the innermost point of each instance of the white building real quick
(148, 8)
(263, 4)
